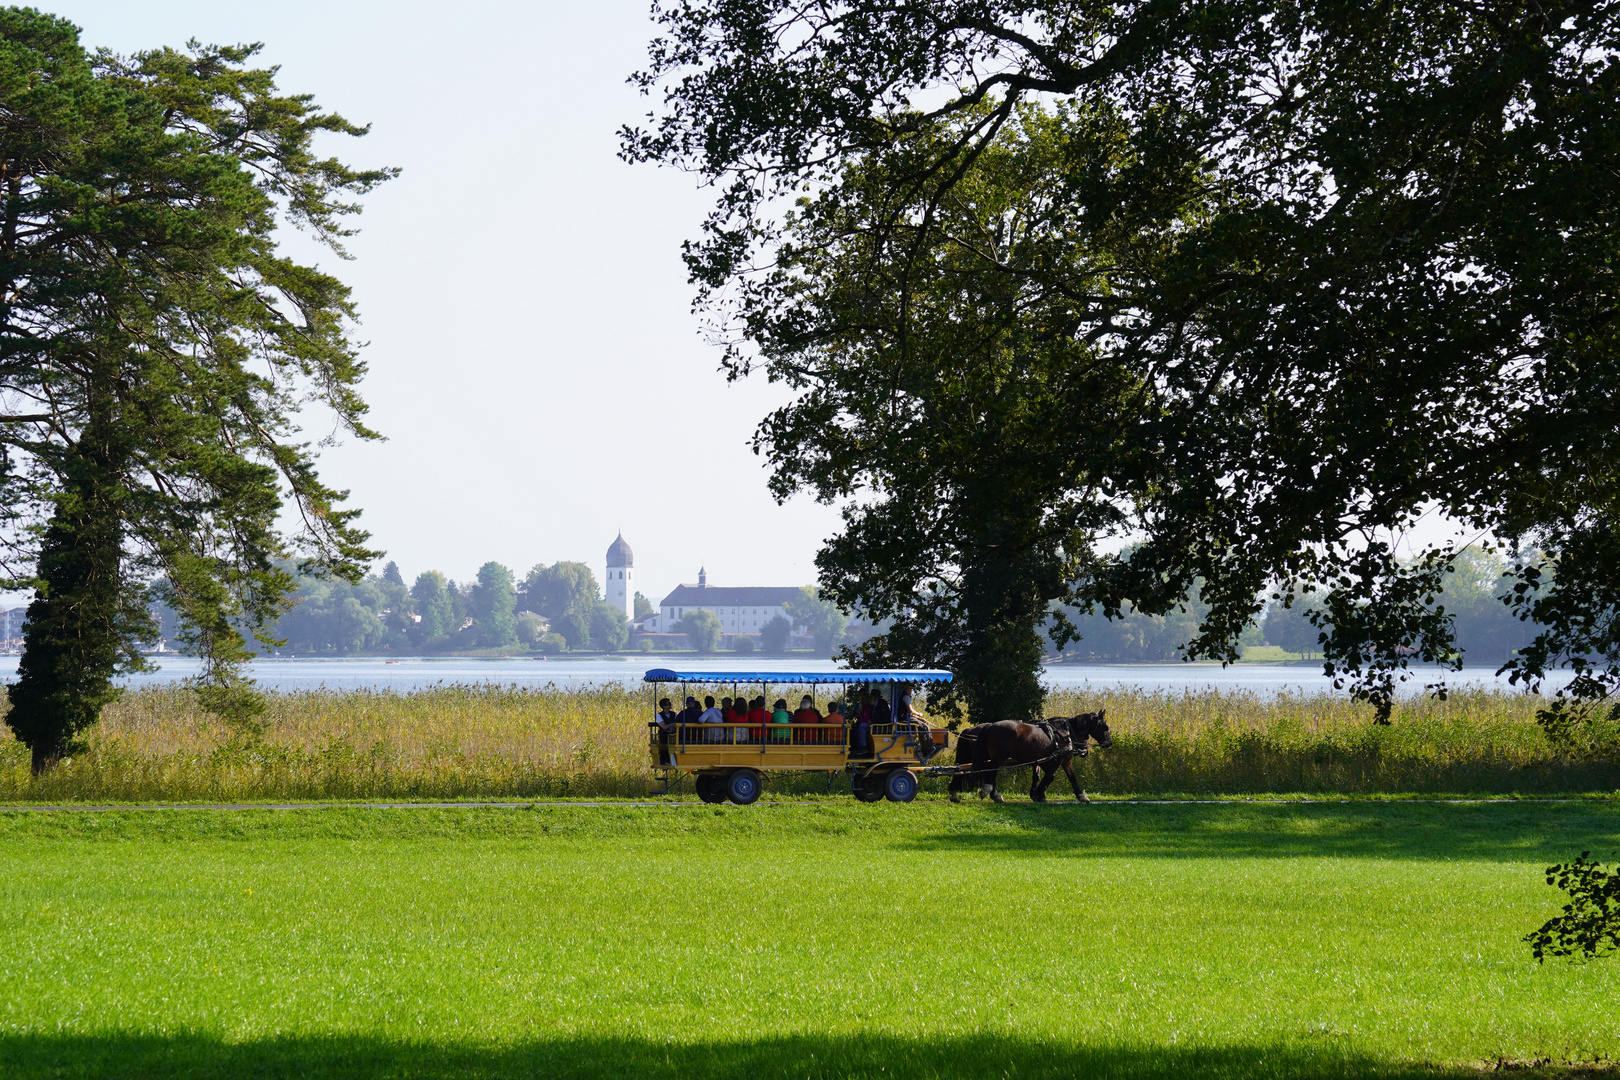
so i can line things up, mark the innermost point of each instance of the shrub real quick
(773, 636)
(702, 629)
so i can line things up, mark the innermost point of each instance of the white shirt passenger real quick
(712, 715)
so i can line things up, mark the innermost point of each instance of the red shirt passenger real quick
(807, 715)
(756, 716)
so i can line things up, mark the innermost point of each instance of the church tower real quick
(621, 577)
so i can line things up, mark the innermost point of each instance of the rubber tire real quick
(900, 786)
(709, 788)
(743, 786)
(869, 788)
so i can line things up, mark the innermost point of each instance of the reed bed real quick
(486, 742)
(1476, 742)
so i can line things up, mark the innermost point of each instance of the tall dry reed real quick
(1475, 741)
(484, 741)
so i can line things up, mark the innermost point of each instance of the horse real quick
(984, 749)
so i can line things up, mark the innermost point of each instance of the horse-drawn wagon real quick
(883, 759)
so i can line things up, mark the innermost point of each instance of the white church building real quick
(741, 609)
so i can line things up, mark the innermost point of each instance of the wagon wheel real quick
(709, 788)
(742, 786)
(869, 788)
(900, 786)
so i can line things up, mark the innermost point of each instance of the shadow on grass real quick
(115, 1056)
(1495, 832)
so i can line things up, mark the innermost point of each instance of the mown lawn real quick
(818, 941)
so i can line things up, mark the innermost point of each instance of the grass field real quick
(1258, 940)
(479, 742)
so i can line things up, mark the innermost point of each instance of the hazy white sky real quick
(533, 358)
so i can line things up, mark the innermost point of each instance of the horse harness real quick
(1062, 737)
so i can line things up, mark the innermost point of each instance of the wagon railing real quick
(763, 735)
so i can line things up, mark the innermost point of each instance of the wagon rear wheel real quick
(743, 786)
(900, 786)
(869, 788)
(709, 788)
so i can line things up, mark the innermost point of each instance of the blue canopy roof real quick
(842, 678)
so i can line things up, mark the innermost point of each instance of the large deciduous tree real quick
(1332, 266)
(155, 349)
(567, 594)
(494, 604)
(431, 596)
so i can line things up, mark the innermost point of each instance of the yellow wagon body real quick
(815, 747)
(727, 759)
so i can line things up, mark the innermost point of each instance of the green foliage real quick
(1128, 635)
(460, 606)
(155, 348)
(773, 636)
(330, 615)
(610, 630)
(575, 628)
(494, 602)
(1590, 924)
(702, 628)
(1288, 624)
(1279, 943)
(644, 606)
(432, 599)
(820, 618)
(552, 643)
(1275, 282)
(530, 628)
(742, 643)
(568, 595)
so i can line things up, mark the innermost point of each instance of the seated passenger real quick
(807, 714)
(667, 721)
(835, 715)
(711, 715)
(728, 715)
(689, 715)
(881, 713)
(860, 736)
(906, 715)
(756, 719)
(781, 732)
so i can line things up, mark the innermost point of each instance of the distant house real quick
(11, 623)
(742, 609)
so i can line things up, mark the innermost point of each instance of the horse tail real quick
(967, 747)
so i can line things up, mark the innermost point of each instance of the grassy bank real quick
(1342, 940)
(502, 742)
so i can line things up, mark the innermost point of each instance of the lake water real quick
(417, 673)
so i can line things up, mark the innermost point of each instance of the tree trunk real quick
(74, 638)
(1005, 588)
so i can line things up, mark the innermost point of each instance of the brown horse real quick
(1050, 744)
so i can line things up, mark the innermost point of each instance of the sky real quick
(534, 361)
